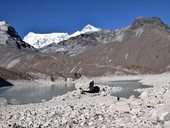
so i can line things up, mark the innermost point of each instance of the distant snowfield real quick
(41, 40)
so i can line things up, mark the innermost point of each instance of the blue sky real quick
(46, 16)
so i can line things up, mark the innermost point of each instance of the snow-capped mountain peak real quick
(2, 23)
(41, 40)
(90, 28)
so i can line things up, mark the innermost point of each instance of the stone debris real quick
(101, 110)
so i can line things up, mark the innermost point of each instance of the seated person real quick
(92, 88)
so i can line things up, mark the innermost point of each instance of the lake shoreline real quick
(74, 109)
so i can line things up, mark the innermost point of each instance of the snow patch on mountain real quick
(41, 40)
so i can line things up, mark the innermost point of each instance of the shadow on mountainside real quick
(4, 83)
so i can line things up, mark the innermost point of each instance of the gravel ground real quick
(76, 110)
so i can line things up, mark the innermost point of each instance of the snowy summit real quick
(89, 28)
(41, 40)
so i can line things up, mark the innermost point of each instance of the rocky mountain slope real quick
(12, 48)
(11, 45)
(7, 74)
(8, 35)
(80, 43)
(143, 47)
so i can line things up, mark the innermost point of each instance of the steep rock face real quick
(12, 48)
(8, 35)
(7, 32)
(152, 21)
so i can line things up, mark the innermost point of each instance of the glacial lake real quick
(16, 95)
(128, 87)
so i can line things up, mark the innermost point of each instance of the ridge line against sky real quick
(47, 16)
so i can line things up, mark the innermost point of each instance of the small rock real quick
(143, 95)
(91, 123)
(167, 117)
(121, 106)
(167, 124)
(103, 93)
(135, 111)
(132, 97)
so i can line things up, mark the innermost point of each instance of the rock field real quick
(75, 110)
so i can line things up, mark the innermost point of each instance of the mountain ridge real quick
(141, 48)
(41, 40)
